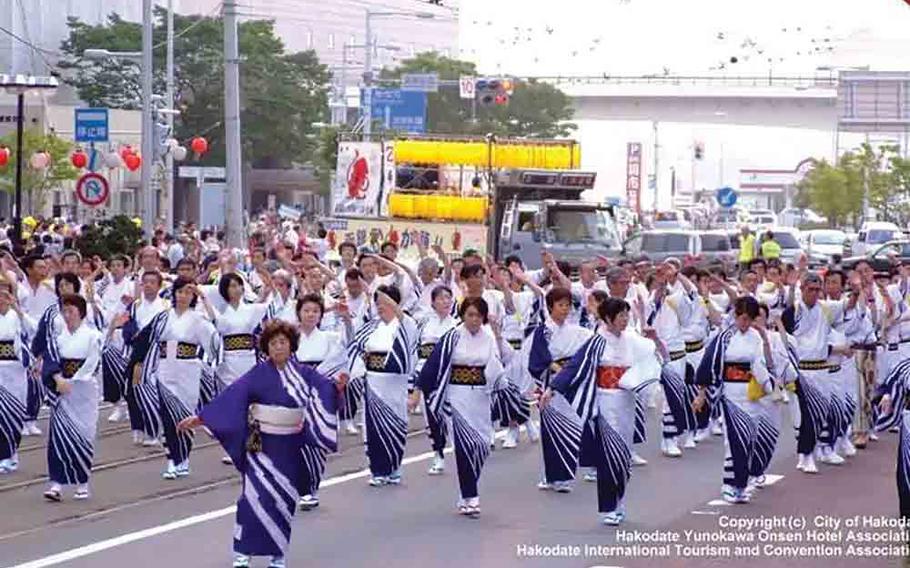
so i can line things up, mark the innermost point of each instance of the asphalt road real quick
(136, 519)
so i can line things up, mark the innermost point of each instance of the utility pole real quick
(656, 162)
(233, 222)
(169, 158)
(148, 124)
(367, 102)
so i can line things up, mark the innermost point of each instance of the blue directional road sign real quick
(91, 125)
(726, 197)
(400, 110)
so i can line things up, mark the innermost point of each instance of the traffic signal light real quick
(494, 91)
(699, 150)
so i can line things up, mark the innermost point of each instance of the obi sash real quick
(694, 346)
(8, 351)
(184, 350)
(69, 367)
(737, 372)
(608, 377)
(515, 343)
(468, 376)
(813, 365)
(677, 355)
(238, 342)
(425, 350)
(278, 420)
(375, 361)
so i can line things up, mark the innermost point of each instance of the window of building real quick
(331, 41)
(309, 39)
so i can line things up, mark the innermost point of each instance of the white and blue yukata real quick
(168, 350)
(113, 361)
(35, 302)
(560, 427)
(74, 356)
(432, 327)
(667, 316)
(325, 352)
(264, 420)
(733, 360)
(237, 328)
(600, 382)
(360, 309)
(389, 351)
(895, 386)
(458, 380)
(15, 360)
(811, 329)
(141, 399)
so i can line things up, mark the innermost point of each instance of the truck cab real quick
(541, 210)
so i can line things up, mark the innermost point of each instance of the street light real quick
(368, 62)
(18, 85)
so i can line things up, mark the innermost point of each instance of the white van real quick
(875, 233)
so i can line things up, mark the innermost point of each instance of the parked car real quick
(793, 217)
(762, 218)
(875, 233)
(730, 219)
(882, 258)
(671, 220)
(661, 244)
(824, 245)
(717, 250)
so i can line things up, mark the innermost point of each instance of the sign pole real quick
(20, 119)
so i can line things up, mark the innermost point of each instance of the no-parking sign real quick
(92, 189)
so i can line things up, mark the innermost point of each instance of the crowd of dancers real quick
(273, 352)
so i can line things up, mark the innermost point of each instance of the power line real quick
(40, 50)
(189, 28)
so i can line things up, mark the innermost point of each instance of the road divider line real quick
(100, 546)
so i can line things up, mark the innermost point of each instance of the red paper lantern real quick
(4, 156)
(132, 161)
(126, 151)
(79, 159)
(199, 145)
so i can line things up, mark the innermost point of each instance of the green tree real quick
(830, 191)
(282, 95)
(36, 183)
(535, 110)
(117, 235)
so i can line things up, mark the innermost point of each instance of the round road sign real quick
(92, 189)
(726, 197)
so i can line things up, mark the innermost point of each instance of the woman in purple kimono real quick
(264, 420)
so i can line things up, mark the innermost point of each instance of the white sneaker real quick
(689, 441)
(533, 431)
(670, 448)
(809, 464)
(33, 429)
(226, 460)
(511, 439)
(611, 519)
(183, 469)
(873, 436)
(590, 475)
(544, 486)
(832, 458)
(800, 461)
(82, 493)
(149, 442)
(637, 460)
(438, 467)
(117, 415)
(137, 437)
(170, 472)
(702, 435)
(717, 429)
(350, 429)
(562, 486)
(308, 502)
(846, 447)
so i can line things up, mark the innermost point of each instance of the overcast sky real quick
(692, 37)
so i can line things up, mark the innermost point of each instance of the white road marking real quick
(705, 512)
(103, 545)
(718, 503)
